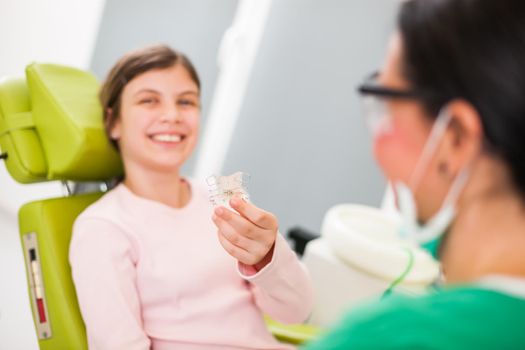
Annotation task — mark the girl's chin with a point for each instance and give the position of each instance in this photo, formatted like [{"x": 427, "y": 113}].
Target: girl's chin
[{"x": 163, "y": 164}]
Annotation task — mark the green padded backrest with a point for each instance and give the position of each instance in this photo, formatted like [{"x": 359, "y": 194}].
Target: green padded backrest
[
  {"x": 51, "y": 222},
  {"x": 51, "y": 127},
  {"x": 18, "y": 137},
  {"x": 68, "y": 117}
]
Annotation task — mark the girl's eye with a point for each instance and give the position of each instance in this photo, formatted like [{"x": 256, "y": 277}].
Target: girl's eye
[
  {"x": 148, "y": 101},
  {"x": 187, "y": 103}
]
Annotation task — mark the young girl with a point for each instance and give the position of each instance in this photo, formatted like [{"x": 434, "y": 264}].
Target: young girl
[{"x": 154, "y": 265}]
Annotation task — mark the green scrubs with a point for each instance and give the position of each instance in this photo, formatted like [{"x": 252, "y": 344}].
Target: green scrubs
[{"x": 468, "y": 317}]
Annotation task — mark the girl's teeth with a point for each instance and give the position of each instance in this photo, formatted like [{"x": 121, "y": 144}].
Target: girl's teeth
[{"x": 167, "y": 138}]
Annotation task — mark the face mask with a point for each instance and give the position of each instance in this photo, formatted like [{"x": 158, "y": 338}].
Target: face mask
[{"x": 428, "y": 235}]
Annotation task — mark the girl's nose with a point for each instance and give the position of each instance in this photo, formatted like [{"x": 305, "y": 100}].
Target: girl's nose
[{"x": 171, "y": 115}]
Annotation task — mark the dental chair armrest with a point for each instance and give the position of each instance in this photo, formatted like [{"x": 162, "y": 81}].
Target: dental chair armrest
[
  {"x": 296, "y": 334},
  {"x": 300, "y": 238}
]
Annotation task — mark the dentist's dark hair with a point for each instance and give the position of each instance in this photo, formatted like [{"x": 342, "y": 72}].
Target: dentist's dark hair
[
  {"x": 130, "y": 66},
  {"x": 472, "y": 50}
]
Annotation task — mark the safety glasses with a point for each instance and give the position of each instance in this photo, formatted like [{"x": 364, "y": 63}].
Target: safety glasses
[{"x": 374, "y": 98}]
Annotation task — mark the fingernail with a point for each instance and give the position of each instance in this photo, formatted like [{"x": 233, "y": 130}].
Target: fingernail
[{"x": 219, "y": 211}]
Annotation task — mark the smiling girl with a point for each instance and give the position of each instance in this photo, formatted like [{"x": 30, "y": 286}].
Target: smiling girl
[{"x": 155, "y": 267}]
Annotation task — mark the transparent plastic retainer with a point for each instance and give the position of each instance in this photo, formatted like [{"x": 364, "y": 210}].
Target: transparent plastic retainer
[{"x": 223, "y": 188}]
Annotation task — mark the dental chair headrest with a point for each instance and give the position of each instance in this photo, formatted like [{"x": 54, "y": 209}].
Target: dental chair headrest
[
  {"x": 366, "y": 238},
  {"x": 51, "y": 127}
]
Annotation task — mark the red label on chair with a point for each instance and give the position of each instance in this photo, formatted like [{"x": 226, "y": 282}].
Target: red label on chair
[{"x": 41, "y": 310}]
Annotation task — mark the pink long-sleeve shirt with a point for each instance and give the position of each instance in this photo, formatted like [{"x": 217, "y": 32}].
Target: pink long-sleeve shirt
[{"x": 149, "y": 276}]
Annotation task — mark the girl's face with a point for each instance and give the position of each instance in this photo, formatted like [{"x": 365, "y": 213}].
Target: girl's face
[
  {"x": 398, "y": 147},
  {"x": 159, "y": 121}
]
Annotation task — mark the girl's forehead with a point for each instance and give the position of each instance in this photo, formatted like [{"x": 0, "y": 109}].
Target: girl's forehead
[{"x": 173, "y": 78}]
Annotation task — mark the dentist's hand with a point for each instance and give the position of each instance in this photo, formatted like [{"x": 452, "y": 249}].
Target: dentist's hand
[{"x": 249, "y": 235}]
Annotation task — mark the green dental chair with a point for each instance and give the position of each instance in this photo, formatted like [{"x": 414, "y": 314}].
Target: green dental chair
[{"x": 51, "y": 129}]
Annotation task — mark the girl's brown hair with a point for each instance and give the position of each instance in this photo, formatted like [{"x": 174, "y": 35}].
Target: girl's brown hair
[{"x": 130, "y": 66}]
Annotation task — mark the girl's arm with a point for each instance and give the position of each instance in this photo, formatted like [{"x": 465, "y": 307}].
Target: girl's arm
[
  {"x": 280, "y": 283},
  {"x": 282, "y": 289},
  {"x": 103, "y": 260}
]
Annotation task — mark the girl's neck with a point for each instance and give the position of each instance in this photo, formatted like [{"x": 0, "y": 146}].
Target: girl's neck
[{"x": 164, "y": 187}]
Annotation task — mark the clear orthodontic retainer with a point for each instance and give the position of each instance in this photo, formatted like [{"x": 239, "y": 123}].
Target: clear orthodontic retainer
[{"x": 223, "y": 188}]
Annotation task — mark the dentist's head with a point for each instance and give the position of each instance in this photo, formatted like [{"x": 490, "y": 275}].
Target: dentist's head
[{"x": 447, "y": 110}]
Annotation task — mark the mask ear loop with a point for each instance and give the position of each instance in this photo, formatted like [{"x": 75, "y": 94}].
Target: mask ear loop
[
  {"x": 402, "y": 190},
  {"x": 440, "y": 126},
  {"x": 403, "y": 274},
  {"x": 439, "y": 223}
]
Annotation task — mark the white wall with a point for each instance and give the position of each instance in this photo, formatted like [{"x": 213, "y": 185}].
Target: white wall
[
  {"x": 194, "y": 27},
  {"x": 235, "y": 59},
  {"x": 57, "y": 31},
  {"x": 301, "y": 133}
]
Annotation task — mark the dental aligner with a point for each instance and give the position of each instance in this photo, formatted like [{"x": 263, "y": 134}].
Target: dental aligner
[{"x": 223, "y": 188}]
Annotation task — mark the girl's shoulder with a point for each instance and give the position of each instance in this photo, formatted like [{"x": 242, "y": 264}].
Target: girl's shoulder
[
  {"x": 110, "y": 209},
  {"x": 109, "y": 202}
]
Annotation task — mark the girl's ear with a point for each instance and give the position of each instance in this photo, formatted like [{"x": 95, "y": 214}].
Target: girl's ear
[{"x": 114, "y": 132}]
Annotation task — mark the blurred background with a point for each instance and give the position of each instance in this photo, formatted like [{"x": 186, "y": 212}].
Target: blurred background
[{"x": 279, "y": 100}]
